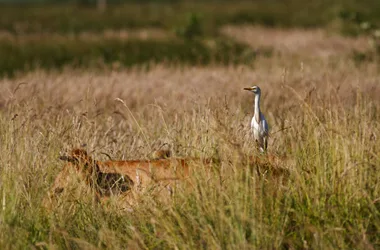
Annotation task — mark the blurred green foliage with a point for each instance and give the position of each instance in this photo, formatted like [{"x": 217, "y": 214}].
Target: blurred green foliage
[
  {"x": 100, "y": 53},
  {"x": 193, "y": 23},
  {"x": 192, "y": 29},
  {"x": 373, "y": 53},
  {"x": 76, "y": 17}
]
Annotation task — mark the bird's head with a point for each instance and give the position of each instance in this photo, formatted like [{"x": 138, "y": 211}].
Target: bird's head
[{"x": 255, "y": 89}]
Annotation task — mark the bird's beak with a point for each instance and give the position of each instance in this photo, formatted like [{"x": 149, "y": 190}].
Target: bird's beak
[{"x": 250, "y": 88}]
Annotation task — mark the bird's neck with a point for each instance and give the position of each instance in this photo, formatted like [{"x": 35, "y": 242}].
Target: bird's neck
[{"x": 257, "y": 108}]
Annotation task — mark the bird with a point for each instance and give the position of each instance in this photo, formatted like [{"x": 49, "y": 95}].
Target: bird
[{"x": 259, "y": 125}]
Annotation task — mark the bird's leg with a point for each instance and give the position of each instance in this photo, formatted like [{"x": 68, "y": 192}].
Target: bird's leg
[
  {"x": 265, "y": 143},
  {"x": 259, "y": 146}
]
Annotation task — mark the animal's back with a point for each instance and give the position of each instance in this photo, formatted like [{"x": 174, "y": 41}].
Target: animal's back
[{"x": 162, "y": 168}]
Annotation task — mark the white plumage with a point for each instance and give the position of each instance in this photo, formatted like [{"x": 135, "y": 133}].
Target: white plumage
[{"x": 259, "y": 125}]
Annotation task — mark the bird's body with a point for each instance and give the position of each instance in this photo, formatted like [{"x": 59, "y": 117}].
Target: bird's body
[
  {"x": 260, "y": 132},
  {"x": 259, "y": 125}
]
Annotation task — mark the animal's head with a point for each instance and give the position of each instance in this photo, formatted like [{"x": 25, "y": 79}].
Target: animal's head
[
  {"x": 68, "y": 183},
  {"x": 255, "y": 89},
  {"x": 81, "y": 176},
  {"x": 72, "y": 177}
]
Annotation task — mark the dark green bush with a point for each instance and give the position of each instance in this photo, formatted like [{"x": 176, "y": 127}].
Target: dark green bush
[
  {"x": 74, "y": 17},
  {"x": 192, "y": 29},
  {"x": 50, "y": 55}
]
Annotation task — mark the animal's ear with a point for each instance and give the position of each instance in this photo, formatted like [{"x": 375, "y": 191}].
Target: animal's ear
[
  {"x": 76, "y": 156},
  {"x": 80, "y": 155}
]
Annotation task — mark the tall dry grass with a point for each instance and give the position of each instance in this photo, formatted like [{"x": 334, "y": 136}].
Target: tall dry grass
[{"x": 323, "y": 115}]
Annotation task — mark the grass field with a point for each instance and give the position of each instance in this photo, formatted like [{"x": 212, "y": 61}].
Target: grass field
[{"x": 321, "y": 104}]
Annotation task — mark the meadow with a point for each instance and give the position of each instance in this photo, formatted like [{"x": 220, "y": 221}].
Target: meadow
[{"x": 321, "y": 104}]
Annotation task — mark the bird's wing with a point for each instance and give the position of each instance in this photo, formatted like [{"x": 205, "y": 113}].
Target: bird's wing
[{"x": 264, "y": 125}]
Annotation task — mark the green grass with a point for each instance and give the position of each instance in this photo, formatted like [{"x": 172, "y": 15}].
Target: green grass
[
  {"x": 71, "y": 18},
  {"x": 194, "y": 23},
  {"x": 56, "y": 54}
]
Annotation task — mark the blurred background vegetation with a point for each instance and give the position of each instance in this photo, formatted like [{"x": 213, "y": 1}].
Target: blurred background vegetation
[{"x": 84, "y": 33}]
